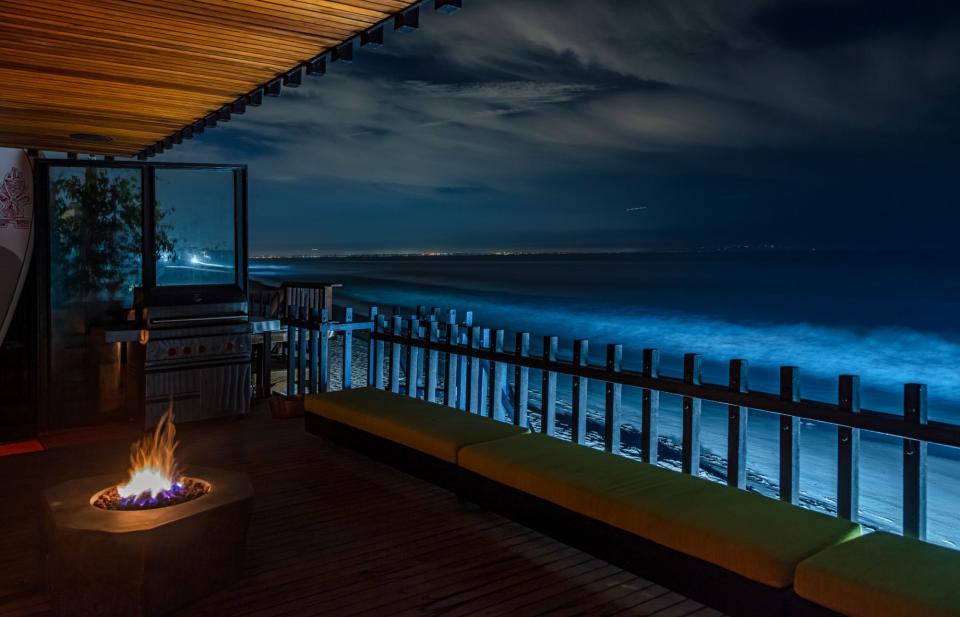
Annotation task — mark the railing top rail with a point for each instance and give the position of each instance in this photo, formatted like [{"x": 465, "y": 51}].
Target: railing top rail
[
  {"x": 941, "y": 433},
  {"x": 308, "y": 285}
]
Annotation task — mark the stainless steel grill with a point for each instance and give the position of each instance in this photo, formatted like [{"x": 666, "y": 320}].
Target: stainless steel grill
[{"x": 196, "y": 358}]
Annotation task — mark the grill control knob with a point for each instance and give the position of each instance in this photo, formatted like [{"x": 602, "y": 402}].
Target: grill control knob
[
  {"x": 202, "y": 349},
  {"x": 229, "y": 346},
  {"x": 172, "y": 351},
  {"x": 187, "y": 350}
]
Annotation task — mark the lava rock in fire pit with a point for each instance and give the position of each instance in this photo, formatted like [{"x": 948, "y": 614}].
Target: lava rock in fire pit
[
  {"x": 187, "y": 489},
  {"x": 144, "y": 562}
]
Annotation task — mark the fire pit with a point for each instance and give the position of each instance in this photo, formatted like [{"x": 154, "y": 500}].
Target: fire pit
[{"x": 150, "y": 545}]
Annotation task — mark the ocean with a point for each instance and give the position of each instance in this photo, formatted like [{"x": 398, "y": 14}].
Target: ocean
[{"x": 890, "y": 318}]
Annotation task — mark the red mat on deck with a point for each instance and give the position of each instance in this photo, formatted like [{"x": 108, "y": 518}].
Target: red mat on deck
[{"x": 21, "y": 447}]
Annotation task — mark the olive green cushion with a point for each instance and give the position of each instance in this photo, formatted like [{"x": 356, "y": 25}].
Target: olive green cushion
[
  {"x": 430, "y": 428},
  {"x": 883, "y": 575},
  {"x": 759, "y": 538}
]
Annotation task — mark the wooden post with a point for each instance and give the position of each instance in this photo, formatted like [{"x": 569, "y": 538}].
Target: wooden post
[
  {"x": 521, "y": 381},
  {"x": 397, "y": 330},
  {"x": 413, "y": 357},
  {"x": 430, "y": 365},
  {"x": 548, "y": 403},
  {"x": 291, "y": 346},
  {"x": 848, "y": 451},
  {"x": 451, "y": 371},
  {"x": 464, "y": 368},
  {"x": 372, "y": 349},
  {"x": 473, "y": 372},
  {"x": 692, "y": 363},
  {"x": 302, "y": 354},
  {"x": 498, "y": 381},
  {"x": 915, "y": 464},
  {"x": 324, "y": 350},
  {"x": 348, "y": 351},
  {"x": 483, "y": 385},
  {"x": 266, "y": 374},
  {"x": 737, "y": 427},
  {"x": 314, "y": 352},
  {"x": 650, "y": 410},
  {"x": 580, "y": 388},
  {"x": 612, "y": 407},
  {"x": 789, "y": 437},
  {"x": 380, "y": 325}
]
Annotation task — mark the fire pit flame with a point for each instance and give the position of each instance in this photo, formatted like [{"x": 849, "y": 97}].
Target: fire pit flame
[
  {"x": 153, "y": 465},
  {"x": 155, "y": 481}
]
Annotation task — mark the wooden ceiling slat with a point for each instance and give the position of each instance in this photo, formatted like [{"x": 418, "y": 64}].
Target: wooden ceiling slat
[
  {"x": 39, "y": 61},
  {"x": 55, "y": 117},
  {"x": 189, "y": 22},
  {"x": 159, "y": 31},
  {"x": 115, "y": 76},
  {"x": 223, "y": 12},
  {"x": 197, "y": 65},
  {"x": 137, "y": 72},
  {"x": 291, "y": 11},
  {"x": 122, "y": 42}
]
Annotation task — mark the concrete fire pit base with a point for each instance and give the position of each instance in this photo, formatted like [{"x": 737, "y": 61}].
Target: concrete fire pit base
[{"x": 146, "y": 562}]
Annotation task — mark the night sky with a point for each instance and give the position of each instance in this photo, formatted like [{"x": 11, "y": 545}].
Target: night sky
[{"x": 612, "y": 125}]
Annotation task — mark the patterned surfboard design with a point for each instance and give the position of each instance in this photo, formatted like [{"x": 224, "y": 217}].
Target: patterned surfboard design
[{"x": 16, "y": 229}]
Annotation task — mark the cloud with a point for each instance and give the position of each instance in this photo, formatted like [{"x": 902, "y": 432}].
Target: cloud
[{"x": 507, "y": 93}]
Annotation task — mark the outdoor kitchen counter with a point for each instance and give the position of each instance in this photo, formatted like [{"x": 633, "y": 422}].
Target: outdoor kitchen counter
[{"x": 130, "y": 334}]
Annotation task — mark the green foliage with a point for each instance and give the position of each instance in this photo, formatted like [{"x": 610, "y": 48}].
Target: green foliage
[{"x": 96, "y": 223}]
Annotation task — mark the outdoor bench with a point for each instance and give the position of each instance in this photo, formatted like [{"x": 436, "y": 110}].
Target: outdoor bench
[
  {"x": 731, "y": 549},
  {"x": 734, "y": 550},
  {"x": 880, "y": 575},
  {"x": 418, "y": 437}
]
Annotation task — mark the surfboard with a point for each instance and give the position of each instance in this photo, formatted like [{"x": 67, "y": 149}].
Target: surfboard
[{"x": 16, "y": 229}]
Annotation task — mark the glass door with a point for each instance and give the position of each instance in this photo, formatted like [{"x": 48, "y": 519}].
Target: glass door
[{"x": 95, "y": 260}]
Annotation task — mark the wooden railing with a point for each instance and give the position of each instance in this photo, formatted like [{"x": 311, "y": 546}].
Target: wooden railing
[{"x": 417, "y": 355}]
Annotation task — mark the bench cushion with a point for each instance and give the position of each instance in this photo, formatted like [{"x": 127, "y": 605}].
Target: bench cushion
[
  {"x": 759, "y": 538},
  {"x": 428, "y": 427},
  {"x": 883, "y": 575}
]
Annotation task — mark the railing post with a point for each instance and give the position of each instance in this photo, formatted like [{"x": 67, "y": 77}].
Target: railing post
[
  {"x": 380, "y": 325},
  {"x": 915, "y": 464},
  {"x": 396, "y": 330},
  {"x": 302, "y": 353},
  {"x": 521, "y": 381},
  {"x": 463, "y": 389},
  {"x": 789, "y": 437},
  {"x": 372, "y": 349},
  {"x": 451, "y": 371},
  {"x": 612, "y": 400},
  {"x": 848, "y": 451},
  {"x": 548, "y": 402},
  {"x": 324, "y": 350},
  {"x": 413, "y": 360},
  {"x": 314, "y": 352},
  {"x": 483, "y": 386},
  {"x": 430, "y": 366},
  {"x": 498, "y": 380},
  {"x": 291, "y": 346},
  {"x": 473, "y": 372},
  {"x": 348, "y": 351},
  {"x": 650, "y": 410},
  {"x": 580, "y": 388},
  {"x": 266, "y": 372},
  {"x": 737, "y": 427},
  {"x": 690, "y": 453}
]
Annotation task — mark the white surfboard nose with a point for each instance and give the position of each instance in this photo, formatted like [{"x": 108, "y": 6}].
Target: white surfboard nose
[{"x": 16, "y": 229}]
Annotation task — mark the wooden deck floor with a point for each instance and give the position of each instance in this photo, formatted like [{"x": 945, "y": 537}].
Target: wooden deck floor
[{"x": 334, "y": 533}]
